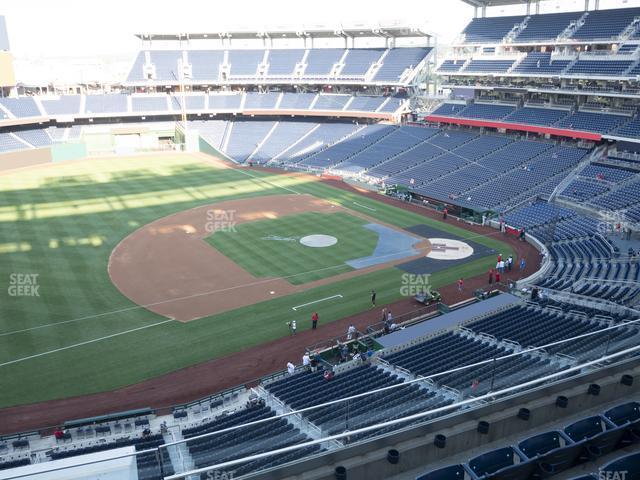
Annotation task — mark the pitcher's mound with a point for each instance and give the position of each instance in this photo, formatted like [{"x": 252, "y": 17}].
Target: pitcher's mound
[{"x": 318, "y": 241}]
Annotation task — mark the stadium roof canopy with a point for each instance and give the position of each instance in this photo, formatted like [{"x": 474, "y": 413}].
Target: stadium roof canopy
[
  {"x": 304, "y": 32},
  {"x": 504, "y": 3},
  {"x": 496, "y": 3}
]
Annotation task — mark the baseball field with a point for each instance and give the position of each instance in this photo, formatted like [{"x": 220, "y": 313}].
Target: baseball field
[{"x": 117, "y": 270}]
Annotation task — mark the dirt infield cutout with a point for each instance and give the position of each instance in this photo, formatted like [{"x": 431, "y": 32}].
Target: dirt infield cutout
[{"x": 167, "y": 266}]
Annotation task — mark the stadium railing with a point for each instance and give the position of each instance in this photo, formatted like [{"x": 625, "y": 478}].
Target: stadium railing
[{"x": 163, "y": 458}]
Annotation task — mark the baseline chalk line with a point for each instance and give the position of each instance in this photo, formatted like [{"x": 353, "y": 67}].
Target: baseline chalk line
[
  {"x": 364, "y": 206},
  {"x": 295, "y": 309}
]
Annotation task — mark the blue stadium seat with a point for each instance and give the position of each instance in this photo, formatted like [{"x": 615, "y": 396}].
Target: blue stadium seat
[
  {"x": 452, "y": 472},
  {"x": 630, "y": 464}
]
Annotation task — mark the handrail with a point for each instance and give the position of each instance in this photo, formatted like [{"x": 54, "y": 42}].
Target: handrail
[
  {"x": 489, "y": 396},
  {"x": 408, "y": 382}
]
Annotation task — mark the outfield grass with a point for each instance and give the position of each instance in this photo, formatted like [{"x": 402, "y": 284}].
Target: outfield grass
[
  {"x": 62, "y": 224},
  {"x": 252, "y": 245}
]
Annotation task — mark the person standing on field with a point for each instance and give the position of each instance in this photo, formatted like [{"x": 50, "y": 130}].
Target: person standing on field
[
  {"x": 314, "y": 320},
  {"x": 373, "y": 297}
]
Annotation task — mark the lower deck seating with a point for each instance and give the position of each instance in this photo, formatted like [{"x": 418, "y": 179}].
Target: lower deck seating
[
  {"x": 244, "y": 441},
  {"x": 307, "y": 389}
]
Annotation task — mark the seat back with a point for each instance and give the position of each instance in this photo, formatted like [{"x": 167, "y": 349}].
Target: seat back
[
  {"x": 629, "y": 464},
  {"x": 605, "y": 442},
  {"x": 518, "y": 471},
  {"x": 585, "y": 428},
  {"x": 627, "y": 412},
  {"x": 540, "y": 444},
  {"x": 492, "y": 461},
  {"x": 452, "y": 472},
  {"x": 561, "y": 459}
]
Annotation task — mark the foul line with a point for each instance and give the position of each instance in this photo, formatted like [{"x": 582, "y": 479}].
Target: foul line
[
  {"x": 364, "y": 206},
  {"x": 310, "y": 303},
  {"x": 18, "y": 360},
  {"x": 222, "y": 290},
  {"x": 244, "y": 172}
]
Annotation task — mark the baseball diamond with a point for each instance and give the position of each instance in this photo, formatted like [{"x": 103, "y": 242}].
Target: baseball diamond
[{"x": 385, "y": 250}]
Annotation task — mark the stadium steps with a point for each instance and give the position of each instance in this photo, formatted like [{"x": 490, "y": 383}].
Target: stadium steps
[
  {"x": 297, "y": 421},
  {"x": 329, "y": 145},
  {"x": 427, "y": 385},
  {"x": 516, "y": 63},
  {"x": 375, "y": 67},
  {"x": 529, "y": 195},
  {"x": 21, "y": 140},
  {"x": 391, "y": 159},
  {"x": 279, "y": 100},
  {"x": 293, "y": 145},
  {"x": 179, "y": 455},
  {"x": 363, "y": 150},
  {"x": 474, "y": 162},
  {"x": 572, "y": 28},
  {"x": 36, "y": 100},
  {"x": 504, "y": 174},
  {"x": 349, "y": 102},
  {"x": 226, "y": 137},
  {"x": 573, "y": 175},
  {"x": 387, "y": 100},
  {"x": 262, "y": 142},
  {"x": 618, "y": 186},
  {"x": 313, "y": 102}
]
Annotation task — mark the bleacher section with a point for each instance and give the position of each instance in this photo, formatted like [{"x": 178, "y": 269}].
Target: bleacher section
[
  {"x": 79, "y": 106},
  {"x": 280, "y": 65},
  {"x": 21, "y": 107},
  {"x": 487, "y": 172},
  {"x": 503, "y": 39},
  {"x": 308, "y": 389},
  {"x": 490, "y": 66},
  {"x": 606, "y": 24},
  {"x": 245, "y": 441},
  {"x": 597, "y": 25},
  {"x": 490, "y": 30},
  {"x": 541, "y": 63},
  {"x": 546, "y": 27},
  {"x": 584, "y": 121},
  {"x": 583, "y": 260}
]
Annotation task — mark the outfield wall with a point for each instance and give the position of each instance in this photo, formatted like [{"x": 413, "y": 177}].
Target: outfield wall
[
  {"x": 42, "y": 156},
  {"x": 25, "y": 158}
]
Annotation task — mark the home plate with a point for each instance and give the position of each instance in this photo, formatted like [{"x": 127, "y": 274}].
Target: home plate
[
  {"x": 448, "y": 249},
  {"x": 318, "y": 241}
]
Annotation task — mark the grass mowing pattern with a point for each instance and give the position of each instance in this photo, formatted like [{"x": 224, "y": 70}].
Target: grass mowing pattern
[
  {"x": 250, "y": 247},
  {"x": 62, "y": 223}
]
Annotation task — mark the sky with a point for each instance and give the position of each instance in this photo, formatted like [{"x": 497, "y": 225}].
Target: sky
[{"x": 80, "y": 38}]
